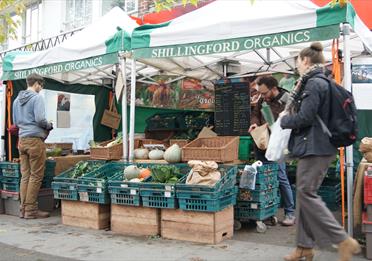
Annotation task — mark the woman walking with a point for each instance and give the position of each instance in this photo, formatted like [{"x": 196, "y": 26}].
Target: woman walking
[{"x": 316, "y": 224}]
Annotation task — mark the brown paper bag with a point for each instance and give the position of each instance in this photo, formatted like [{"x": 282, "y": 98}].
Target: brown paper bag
[
  {"x": 261, "y": 136},
  {"x": 111, "y": 118}
]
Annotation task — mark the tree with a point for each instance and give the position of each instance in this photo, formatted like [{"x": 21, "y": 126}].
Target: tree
[
  {"x": 8, "y": 26},
  {"x": 168, "y": 4}
]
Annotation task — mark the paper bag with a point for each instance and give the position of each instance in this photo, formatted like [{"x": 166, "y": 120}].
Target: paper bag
[
  {"x": 261, "y": 136},
  {"x": 206, "y": 132}
]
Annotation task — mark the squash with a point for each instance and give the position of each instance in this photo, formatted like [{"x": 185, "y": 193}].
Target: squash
[
  {"x": 156, "y": 154},
  {"x": 141, "y": 153},
  {"x": 144, "y": 174},
  {"x": 173, "y": 154},
  {"x": 131, "y": 172}
]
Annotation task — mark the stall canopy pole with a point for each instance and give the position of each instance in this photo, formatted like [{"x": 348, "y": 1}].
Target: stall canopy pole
[
  {"x": 349, "y": 150},
  {"x": 132, "y": 109},
  {"x": 124, "y": 108},
  {"x": 2, "y": 122}
]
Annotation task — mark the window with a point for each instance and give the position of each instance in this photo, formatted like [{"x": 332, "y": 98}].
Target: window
[
  {"x": 30, "y": 27},
  {"x": 32, "y": 23},
  {"x": 130, "y": 6},
  {"x": 78, "y": 13}
]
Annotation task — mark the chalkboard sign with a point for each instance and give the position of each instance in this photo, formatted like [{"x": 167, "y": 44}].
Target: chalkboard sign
[{"x": 232, "y": 109}]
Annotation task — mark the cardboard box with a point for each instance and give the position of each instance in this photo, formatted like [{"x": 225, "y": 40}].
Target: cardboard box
[
  {"x": 85, "y": 214},
  {"x": 135, "y": 221},
  {"x": 200, "y": 227}
]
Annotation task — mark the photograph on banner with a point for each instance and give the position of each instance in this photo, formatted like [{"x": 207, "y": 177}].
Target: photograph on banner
[
  {"x": 170, "y": 93},
  {"x": 72, "y": 116},
  {"x": 362, "y": 73},
  {"x": 362, "y": 82}
]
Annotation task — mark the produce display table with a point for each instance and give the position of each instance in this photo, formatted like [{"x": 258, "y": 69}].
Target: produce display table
[{"x": 66, "y": 162}]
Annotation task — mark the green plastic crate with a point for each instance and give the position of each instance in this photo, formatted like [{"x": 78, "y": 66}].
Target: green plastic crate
[
  {"x": 122, "y": 192},
  {"x": 195, "y": 203},
  {"x": 257, "y": 195},
  {"x": 65, "y": 191},
  {"x": 245, "y": 213},
  {"x": 13, "y": 170},
  {"x": 159, "y": 201},
  {"x": 264, "y": 174},
  {"x": 65, "y": 187},
  {"x": 227, "y": 181},
  {"x": 259, "y": 205},
  {"x": 10, "y": 184},
  {"x": 245, "y": 145},
  {"x": 93, "y": 195}
]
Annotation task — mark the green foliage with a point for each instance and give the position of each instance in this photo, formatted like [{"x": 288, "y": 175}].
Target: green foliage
[{"x": 8, "y": 27}]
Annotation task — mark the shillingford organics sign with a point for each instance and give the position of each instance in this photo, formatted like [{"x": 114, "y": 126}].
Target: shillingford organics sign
[{"x": 240, "y": 44}]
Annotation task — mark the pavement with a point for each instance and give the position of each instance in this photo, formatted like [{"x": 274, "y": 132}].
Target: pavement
[{"x": 48, "y": 239}]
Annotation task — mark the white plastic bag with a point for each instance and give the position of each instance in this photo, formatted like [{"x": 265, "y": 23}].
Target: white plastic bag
[
  {"x": 278, "y": 142},
  {"x": 248, "y": 178}
]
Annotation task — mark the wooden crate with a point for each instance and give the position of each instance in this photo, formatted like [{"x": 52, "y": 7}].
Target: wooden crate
[
  {"x": 135, "y": 221},
  {"x": 200, "y": 227},
  {"x": 115, "y": 152},
  {"x": 219, "y": 149},
  {"x": 85, "y": 214}
]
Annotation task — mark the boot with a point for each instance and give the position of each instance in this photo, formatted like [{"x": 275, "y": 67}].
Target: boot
[
  {"x": 300, "y": 253},
  {"x": 34, "y": 214},
  {"x": 347, "y": 248},
  {"x": 21, "y": 212}
]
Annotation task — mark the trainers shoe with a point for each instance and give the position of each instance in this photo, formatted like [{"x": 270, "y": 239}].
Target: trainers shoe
[
  {"x": 36, "y": 214},
  {"x": 288, "y": 221}
]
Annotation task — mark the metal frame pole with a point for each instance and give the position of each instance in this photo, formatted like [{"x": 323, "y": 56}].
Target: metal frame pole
[
  {"x": 132, "y": 110},
  {"x": 349, "y": 149},
  {"x": 2, "y": 122},
  {"x": 124, "y": 108}
]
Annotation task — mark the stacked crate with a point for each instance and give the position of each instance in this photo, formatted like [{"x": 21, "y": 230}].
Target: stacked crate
[
  {"x": 367, "y": 216},
  {"x": 261, "y": 203},
  {"x": 10, "y": 188},
  {"x": 11, "y": 175}
]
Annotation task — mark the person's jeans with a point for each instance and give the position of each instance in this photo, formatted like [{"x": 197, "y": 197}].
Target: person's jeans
[{"x": 286, "y": 191}]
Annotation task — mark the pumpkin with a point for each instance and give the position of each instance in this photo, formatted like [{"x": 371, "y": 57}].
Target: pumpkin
[
  {"x": 144, "y": 173},
  {"x": 173, "y": 154},
  {"x": 131, "y": 172},
  {"x": 156, "y": 154},
  {"x": 141, "y": 153}
]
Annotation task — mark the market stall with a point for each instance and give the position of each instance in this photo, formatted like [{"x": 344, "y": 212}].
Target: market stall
[{"x": 194, "y": 45}]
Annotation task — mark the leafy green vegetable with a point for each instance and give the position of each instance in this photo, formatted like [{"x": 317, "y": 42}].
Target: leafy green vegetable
[
  {"x": 165, "y": 174},
  {"x": 84, "y": 167}
]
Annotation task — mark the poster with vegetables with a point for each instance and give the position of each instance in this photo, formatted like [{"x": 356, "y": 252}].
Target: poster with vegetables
[{"x": 170, "y": 93}]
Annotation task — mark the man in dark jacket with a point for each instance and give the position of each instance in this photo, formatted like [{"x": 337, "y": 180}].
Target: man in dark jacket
[
  {"x": 277, "y": 99},
  {"x": 29, "y": 117}
]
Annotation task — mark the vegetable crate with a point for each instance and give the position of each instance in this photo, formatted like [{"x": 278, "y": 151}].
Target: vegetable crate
[
  {"x": 368, "y": 189},
  {"x": 13, "y": 170},
  {"x": 122, "y": 192},
  {"x": 267, "y": 170},
  {"x": 65, "y": 185},
  {"x": 195, "y": 202},
  {"x": 93, "y": 187},
  {"x": 10, "y": 184},
  {"x": 244, "y": 212},
  {"x": 257, "y": 195},
  {"x": 161, "y": 195},
  {"x": 219, "y": 149},
  {"x": 115, "y": 152},
  {"x": 209, "y": 198}
]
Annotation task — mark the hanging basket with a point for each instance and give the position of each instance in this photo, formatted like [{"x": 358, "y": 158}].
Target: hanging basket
[{"x": 111, "y": 118}]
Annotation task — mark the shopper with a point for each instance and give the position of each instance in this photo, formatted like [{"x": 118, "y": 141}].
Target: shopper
[
  {"x": 309, "y": 143},
  {"x": 277, "y": 99},
  {"x": 29, "y": 117}
]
